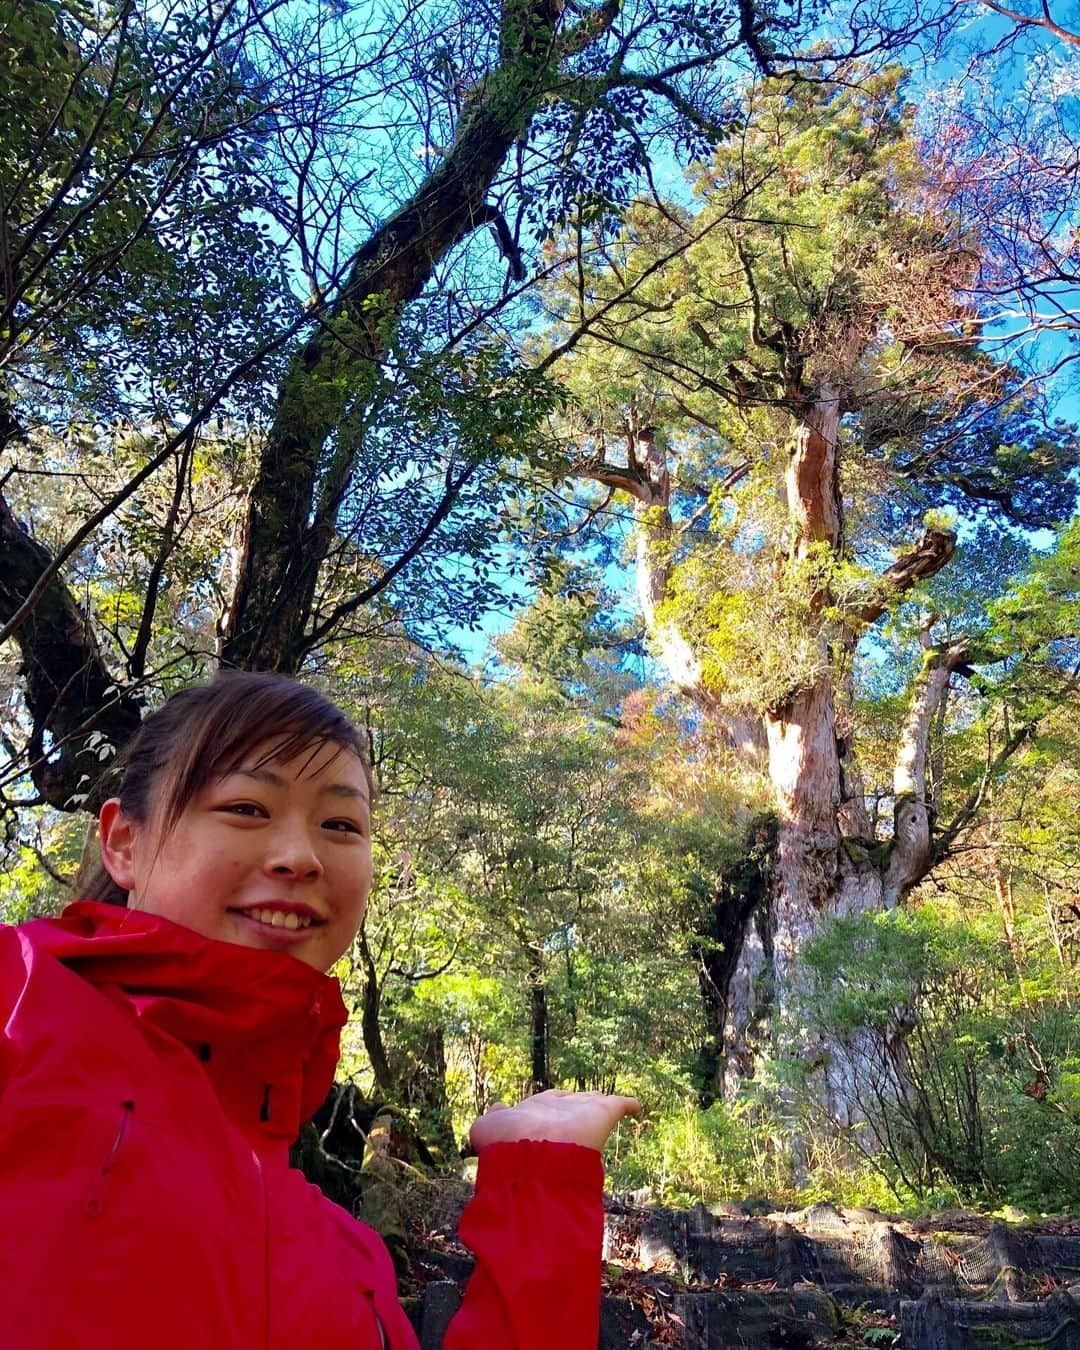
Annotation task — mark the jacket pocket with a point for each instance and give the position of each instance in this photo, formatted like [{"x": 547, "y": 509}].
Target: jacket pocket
[{"x": 93, "y": 1200}]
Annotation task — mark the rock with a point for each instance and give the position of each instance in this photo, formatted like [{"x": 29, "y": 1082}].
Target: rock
[
  {"x": 857, "y": 1214},
  {"x": 824, "y": 1218},
  {"x": 730, "y": 1209},
  {"x": 442, "y": 1299},
  {"x": 662, "y": 1244},
  {"x": 621, "y": 1324},
  {"x": 724, "y": 1280}
]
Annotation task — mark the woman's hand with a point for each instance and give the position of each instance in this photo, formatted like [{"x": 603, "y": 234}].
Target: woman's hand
[{"x": 585, "y": 1118}]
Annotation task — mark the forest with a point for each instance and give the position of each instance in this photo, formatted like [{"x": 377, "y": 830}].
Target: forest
[{"x": 657, "y": 424}]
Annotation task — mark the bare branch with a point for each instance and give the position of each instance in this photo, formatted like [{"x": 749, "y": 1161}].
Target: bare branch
[{"x": 1043, "y": 20}]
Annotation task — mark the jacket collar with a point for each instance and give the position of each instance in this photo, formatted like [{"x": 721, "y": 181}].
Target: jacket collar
[{"x": 265, "y": 1025}]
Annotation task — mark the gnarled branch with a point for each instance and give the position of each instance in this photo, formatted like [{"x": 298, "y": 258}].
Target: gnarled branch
[{"x": 924, "y": 560}]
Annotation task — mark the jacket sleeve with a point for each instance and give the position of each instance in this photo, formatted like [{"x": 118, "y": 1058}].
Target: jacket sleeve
[{"x": 535, "y": 1226}]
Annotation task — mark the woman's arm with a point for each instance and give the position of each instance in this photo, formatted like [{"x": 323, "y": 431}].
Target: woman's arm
[{"x": 536, "y": 1223}]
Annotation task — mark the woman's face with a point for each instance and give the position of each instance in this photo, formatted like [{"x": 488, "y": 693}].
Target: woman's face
[{"x": 276, "y": 856}]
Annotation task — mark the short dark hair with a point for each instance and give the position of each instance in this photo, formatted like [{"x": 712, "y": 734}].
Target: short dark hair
[{"x": 203, "y": 733}]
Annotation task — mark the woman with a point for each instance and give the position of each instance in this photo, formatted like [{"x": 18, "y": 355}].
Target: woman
[{"x": 162, "y": 1042}]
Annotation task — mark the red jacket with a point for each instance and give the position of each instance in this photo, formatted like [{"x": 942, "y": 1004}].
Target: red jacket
[{"x": 151, "y": 1081}]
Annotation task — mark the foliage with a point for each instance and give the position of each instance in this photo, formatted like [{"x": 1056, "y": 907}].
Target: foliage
[
  {"x": 137, "y": 270},
  {"x": 764, "y": 640},
  {"x": 814, "y": 259},
  {"x": 966, "y": 1058},
  {"x": 37, "y": 868},
  {"x": 686, "y": 1156}
]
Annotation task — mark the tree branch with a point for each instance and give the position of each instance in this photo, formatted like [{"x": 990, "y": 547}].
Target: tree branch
[
  {"x": 910, "y": 854},
  {"x": 924, "y": 560},
  {"x": 597, "y": 470},
  {"x": 452, "y": 491},
  {"x": 1031, "y": 21},
  {"x": 64, "y": 672},
  {"x": 137, "y": 661}
]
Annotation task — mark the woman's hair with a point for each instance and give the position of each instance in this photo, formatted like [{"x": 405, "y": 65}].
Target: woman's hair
[{"x": 203, "y": 733}]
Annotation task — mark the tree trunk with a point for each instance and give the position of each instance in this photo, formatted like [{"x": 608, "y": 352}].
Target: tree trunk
[
  {"x": 812, "y": 481},
  {"x": 292, "y": 516},
  {"x": 370, "y": 1024},
  {"x": 821, "y": 859},
  {"x": 824, "y": 865},
  {"x": 540, "y": 1069},
  {"x": 79, "y": 718}
]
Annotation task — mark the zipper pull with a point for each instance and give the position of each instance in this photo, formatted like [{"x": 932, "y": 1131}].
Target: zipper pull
[{"x": 94, "y": 1196}]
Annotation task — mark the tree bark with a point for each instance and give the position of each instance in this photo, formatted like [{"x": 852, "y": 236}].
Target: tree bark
[
  {"x": 812, "y": 485},
  {"x": 370, "y": 1023},
  {"x": 911, "y": 854},
  {"x": 540, "y": 1067},
  {"x": 79, "y": 717}
]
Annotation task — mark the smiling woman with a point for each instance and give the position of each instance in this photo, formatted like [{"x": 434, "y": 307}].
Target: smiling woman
[
  {"x": 162, "y": 1042},
  {"x": 278, "y": 858}
]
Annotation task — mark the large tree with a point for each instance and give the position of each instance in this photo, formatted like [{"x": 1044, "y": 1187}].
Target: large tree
[{"x": 783, "y": 405}]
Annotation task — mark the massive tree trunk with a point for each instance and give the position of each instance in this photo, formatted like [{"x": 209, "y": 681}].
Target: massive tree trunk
[
  {"x": 823, "y": 863},
  {"x": 818, "y": 858}
]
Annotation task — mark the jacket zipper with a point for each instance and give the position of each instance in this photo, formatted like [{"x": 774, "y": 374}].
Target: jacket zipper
[
  {"x": 94, "y": 1196},
  {"x": 266, "y": 1247}
]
